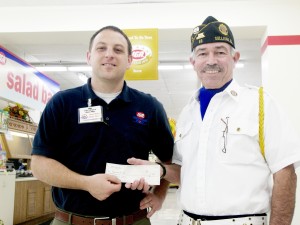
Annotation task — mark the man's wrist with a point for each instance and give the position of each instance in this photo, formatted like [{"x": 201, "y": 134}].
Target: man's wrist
[{"x": 164, "y": 171}]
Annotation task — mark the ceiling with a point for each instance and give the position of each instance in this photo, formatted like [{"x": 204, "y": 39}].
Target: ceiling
[
  {"x": 173, "y": 88},
  {"x": 34, "y": 3}
]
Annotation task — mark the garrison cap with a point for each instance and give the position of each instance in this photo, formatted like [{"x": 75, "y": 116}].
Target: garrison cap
[{"x": 211, "y": 30}]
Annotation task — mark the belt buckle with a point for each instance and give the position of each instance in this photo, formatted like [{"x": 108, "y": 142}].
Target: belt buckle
[{"x": 113, "y": 221}]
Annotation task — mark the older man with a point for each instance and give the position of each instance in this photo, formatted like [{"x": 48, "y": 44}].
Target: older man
[{"x": 228, "y": 172}]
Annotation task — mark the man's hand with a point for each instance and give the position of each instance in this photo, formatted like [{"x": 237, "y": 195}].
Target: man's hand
[
  {"x": 156, "y": 197},
  {"x": 153, "y": 202},
  {"x": 135, "y": 161},
  {"x": 101, "y": 186},
  {"x": 139, "y": 185}
]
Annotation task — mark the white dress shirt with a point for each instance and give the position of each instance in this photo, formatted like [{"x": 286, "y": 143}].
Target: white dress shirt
[{"x": 223, "y": 171}]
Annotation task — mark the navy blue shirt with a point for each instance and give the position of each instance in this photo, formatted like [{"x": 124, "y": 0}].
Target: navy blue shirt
[
  {"x": 135, "y": 124},
  {"x": 205, "y": 95}
]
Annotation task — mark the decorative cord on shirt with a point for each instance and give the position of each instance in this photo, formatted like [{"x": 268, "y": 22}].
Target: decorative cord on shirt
[
  {"x": 261, "y": 122},
  {"x": 225, "y": 132}
]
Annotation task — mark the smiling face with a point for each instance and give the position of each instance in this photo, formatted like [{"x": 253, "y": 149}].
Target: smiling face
[
  {"x": 109, "y": 58},
  {"x": 214, "y": 64}
]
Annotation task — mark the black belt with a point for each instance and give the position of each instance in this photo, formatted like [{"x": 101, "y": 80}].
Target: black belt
[{"x": 201, "y": 217}]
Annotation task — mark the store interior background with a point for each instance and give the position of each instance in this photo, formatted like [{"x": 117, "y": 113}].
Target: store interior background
[
  {"x": 57, "y": 32},
  {"x": 173, "y": 88}
]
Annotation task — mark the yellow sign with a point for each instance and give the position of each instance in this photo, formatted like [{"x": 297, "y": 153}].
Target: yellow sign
[{"x": 144, "y": 53}]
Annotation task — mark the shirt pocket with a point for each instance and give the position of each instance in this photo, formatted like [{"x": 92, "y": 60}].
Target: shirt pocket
[
  {"x": 182, "y": 131},
  {"x": 239, "y": 143},
  {"x": 183, "y": 139}
]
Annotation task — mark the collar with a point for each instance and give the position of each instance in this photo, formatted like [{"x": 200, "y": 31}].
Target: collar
[
  {"x": 125, "y": 94},
  {"x": 88, "y": 93},
  {"x": 233, "y": 90}
]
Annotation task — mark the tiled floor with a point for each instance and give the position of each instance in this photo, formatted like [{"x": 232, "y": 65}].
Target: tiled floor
[{"x": 169, "y": 213}]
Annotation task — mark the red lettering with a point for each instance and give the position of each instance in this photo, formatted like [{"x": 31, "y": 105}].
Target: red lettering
[
  {"x": 45, "y": 95},
  {"x": 10, "y": 78},
  {"x": 29, "y": 90},
  {"x": 35, "y": 92},
  {"x": 2, "y": 58},
  {"x": 18, "y": 84},
  {"x": 23, "y": 82},
  {"x": 32, "y": 91},
  {"x": 138, "y": 54}
]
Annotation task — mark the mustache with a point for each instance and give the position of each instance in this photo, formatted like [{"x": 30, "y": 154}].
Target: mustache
[{"x": 212, "y": 68}]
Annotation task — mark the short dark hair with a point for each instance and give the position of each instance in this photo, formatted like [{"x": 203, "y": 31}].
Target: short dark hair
[{"x": 113, "y": 28}]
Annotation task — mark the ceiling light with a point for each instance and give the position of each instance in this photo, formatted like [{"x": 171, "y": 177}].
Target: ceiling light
[
  {"x": 82, "y": 77},
  {"x": 51, "y": 68},
  {"x": 188, "y": 66},
  {"x": 239, "y": 65},
  {"x": 170, "y": 67},
  {"x": 29, "y": 69},
  {"x": 80, "y": 68}
]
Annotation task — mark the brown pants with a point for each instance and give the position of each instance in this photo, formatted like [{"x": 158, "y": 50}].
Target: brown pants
[{"x": 144, "y": 221}]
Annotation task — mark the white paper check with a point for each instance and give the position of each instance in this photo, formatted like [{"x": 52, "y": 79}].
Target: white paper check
[{"x": 130, "y": 173}]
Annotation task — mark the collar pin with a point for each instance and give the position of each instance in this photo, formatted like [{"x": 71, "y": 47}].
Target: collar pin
[{"x": 234, "y": 93}]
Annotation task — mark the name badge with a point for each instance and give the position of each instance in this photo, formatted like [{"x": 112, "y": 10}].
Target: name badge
[{"x": 90, "y": 114}]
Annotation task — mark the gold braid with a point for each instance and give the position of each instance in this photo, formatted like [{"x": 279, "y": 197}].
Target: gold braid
[{"x": 261, "y": 122}]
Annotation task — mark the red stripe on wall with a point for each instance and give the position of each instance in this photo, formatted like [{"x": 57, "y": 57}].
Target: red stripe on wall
[{"x": 280, "y": 40}]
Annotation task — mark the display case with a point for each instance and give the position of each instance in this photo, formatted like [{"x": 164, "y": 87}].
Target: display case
[
  {"x": 17, "y": 145},
  {"x": 17, "y": 139}
]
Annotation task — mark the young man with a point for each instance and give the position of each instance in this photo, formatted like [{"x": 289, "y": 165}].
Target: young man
[
  {"x": 224, "y": 175},
  {"x": 103, "y": 121}
]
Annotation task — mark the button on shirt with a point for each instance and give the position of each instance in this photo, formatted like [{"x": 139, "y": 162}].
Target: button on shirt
[{"x": 223, "y": 171}]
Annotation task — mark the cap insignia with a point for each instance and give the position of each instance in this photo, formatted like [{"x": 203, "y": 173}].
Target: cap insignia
[
  {"x": 201, "y": 35},
  {"x": 234, "y": 93},
  {"x": 223, "y": 29},
  {"x": 196, "y": 30}
]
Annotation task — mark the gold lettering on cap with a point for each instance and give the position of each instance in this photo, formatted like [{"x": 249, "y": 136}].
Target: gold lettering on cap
[
  {"x": 223, "y": 29},
  {"x": 200, "y": 41},
  {"x": 219, "y": 38}
]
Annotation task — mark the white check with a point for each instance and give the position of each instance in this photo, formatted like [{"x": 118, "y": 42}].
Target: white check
[{"x": 130, "y": 173}]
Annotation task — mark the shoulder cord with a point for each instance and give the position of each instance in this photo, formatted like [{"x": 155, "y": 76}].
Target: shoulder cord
[{"x": 261, "y": 122}]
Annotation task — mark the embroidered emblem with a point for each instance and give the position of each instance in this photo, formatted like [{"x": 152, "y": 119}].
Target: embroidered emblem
[
  {"x": 200, "y": 36},
  {"x": 223, "y": 29},
  {"x": 140, "y": 115},
  {"x": 140, "y": 118}
]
